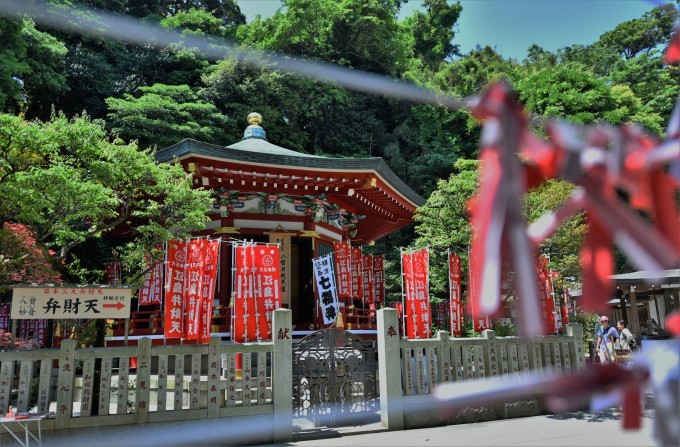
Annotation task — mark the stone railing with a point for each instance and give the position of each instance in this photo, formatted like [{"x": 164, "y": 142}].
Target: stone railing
[
  {"x": 409, "y": 368},
  {"x": 145, "y": 383}
]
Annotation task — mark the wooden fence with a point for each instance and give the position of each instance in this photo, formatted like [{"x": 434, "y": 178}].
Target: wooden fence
[
  {"x": 145, "y": 383},
  {"x": 411, "y": 367}
]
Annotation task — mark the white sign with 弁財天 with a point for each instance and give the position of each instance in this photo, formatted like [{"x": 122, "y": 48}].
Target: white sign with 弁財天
[{"x": 70, "y": 302}]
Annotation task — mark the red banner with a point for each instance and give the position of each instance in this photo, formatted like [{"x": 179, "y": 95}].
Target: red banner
[
  {"x": 379, "y": 279},
  {"x": 342, "y": 269},
  {"x": 257, "y": 292},
  {"x": 4, "y": 317},
  {"x": 174, "y": 289},
  {"x": 151, "y": 291},
  {"x": 267, "y": 287},
  {"x": 417, "y": 296},
  {"x": 33, "y": 332},
  {"x": 480, "y": 321},
  {"x": 545, "y": 294},
  {"x": 211, "y": 250},
  {"x": 112, "y": 272},
  {"x": 244, "y": 295},
  {"x": 192, "y": 288},
  {"x": 367, "y": 281},
  {"x": 456, "y": 305},
  {"x": 356, "y": 265}
]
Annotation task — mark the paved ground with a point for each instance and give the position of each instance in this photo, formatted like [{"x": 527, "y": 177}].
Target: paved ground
[
  {"x": 578, "y": 429},
  {"x": 569, "y": 429}
]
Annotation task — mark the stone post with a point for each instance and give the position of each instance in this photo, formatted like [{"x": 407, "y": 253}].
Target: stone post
[
  {"x": 67, "y": 369},
  {"x": 389, "y": 367},
  {"x": 143, "y": 393},
  {"x": 282, "y": 375},
  {"x": 576, "y": 352}
]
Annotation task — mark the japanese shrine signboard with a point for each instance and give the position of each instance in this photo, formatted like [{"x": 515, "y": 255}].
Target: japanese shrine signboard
[{"x": 66, "y": 303}]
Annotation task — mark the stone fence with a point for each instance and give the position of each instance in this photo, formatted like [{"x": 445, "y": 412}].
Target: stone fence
[
  {"x": 410, "y": 369},
  {"x": 145, "y": 383}
]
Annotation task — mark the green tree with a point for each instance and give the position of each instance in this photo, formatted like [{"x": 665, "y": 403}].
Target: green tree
[
  {"x": 165, "y": 114},
  {"x": 433, "y": 31},
  {"x": 69, "y": 182},
  {"x": 364, "y": 34},
  {"x": 45, "y": 81},
  {"x": 194, "y": 22},
  {"x": 472, "y": 73},
  {"x": 443, "y": 222},
  {"x": 635, "y": 36},
  {"x": 13, "y": 66}
]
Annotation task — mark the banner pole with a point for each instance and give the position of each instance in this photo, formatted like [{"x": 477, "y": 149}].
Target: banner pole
[{"x": 403, "y": 296}]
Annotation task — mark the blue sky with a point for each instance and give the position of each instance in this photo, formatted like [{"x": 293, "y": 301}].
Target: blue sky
[{"x": 511, "y": 26}]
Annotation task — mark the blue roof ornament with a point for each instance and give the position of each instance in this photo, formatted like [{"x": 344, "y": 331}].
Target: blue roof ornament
[{"x": 254, "y": 130}]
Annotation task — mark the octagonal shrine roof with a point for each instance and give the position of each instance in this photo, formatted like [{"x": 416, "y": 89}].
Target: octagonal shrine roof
[{"x": 363, "y": 185}]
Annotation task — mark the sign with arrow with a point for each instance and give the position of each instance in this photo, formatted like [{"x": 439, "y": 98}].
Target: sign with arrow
[{"x": 70, "y": 302}]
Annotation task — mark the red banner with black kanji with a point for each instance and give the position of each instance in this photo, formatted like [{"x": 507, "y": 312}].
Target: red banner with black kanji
[
  {"x": 367, "y": 280},
  {"x": 267, "y": 260},
  {"x": 257, "y": 291},
  {"x": 455, "y": 303},
  {"x": 151, "y": 291},
  {"x": 243, "y": 307},
  {"x": 211, "y": 251},
  {"x": 379, "y": 279},
  {"x": 343, "y": 274},
  {"x": 174, "y": 289},
  {"x": 193, "y": 299},
  {"x": 112, "y": 272},
  {"x": 418, "y": 314},
  {"x": 356, "y": 267},
  {"x": 545, "y": 295}
]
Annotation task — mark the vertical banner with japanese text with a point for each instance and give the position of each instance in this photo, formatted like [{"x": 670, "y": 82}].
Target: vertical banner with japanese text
[
  {"x": 4, "y": 317},
  {"x": 456, "y": 305},
  {"x": 257, "y": 291},
  {"x": 356, "y": 266},
  {"x": 379, "y": 279},
  {"x": 267, "y": 271},
  {"x": 211, "y": 252},
  {"x": 418, "y": 313},
  {"x": 342, "y": 269},
  {"x": 193, "y": 277},
  {"x": 282, "y": 239},
  {"x": 112, "y": 272},
  {"x": 408, "y": 299},
  {"x": 545, "y": 294},
  {"x": 480, "y": 321},
  {"x": 174, "y": 289},
  {"x": 367, "y": 281},
  {"x": 325, "y": 285},
  {"x": 243, "y": 303},
  {"x": 151, "y": 291}
]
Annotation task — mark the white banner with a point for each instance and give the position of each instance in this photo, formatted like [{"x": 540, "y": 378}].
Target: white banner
[
  {"x": 325, "y": 286},
  {"x": 57, "y": 303}
]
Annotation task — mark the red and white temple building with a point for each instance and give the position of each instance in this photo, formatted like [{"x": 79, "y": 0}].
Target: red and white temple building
[{"x": 269, "y": 194}]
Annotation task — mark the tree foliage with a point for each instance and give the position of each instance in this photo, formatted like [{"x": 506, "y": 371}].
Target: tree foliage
[
  {"x": 166, "y": 114},
  {"x": 67, "y": 181}
]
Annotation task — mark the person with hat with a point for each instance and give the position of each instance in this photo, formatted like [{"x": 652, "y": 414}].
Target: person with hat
[{"x": 606, "y": 336}]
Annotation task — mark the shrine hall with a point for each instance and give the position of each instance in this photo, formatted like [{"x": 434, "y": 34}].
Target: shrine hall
[{"x": 269, "y": 194}]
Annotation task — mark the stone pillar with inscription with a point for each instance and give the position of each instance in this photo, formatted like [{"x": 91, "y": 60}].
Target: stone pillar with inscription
[
  {"x": 389, "y": 367},
  {"x": 282, "y": 375}
]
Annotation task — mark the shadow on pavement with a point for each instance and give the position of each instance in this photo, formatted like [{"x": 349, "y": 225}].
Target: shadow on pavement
[{"x": 611, "y": 414}]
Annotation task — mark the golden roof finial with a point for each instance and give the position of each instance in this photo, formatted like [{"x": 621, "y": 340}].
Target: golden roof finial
[{"x": 254, "y": 118}]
